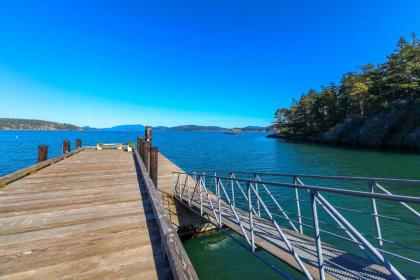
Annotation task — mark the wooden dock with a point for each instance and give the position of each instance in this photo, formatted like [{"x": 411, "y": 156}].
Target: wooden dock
[{"x": 89, "y": 216}]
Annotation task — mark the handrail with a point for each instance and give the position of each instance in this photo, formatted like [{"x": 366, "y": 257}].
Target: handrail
[
  {"x": 179, "y": 262},
  {"x": 328, "y": 177},
  {"x": 7, "y": 179},
  {"x": 375, "y": 254},
  {"x": 408, "y": 207},
  {"x": 398, "y": 198}
]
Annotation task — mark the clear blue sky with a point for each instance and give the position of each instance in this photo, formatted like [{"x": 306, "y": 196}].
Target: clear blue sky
[{"x": 228, "y": 63}]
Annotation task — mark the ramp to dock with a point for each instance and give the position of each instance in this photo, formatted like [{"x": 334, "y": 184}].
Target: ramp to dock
[
  {"x": 235, "y": 203},
  {"x": 305, "y": 246},
  {"x": 85, "y": 217}
]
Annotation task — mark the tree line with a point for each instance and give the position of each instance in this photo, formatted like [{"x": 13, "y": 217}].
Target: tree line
[{"x": 362, "y": 94}]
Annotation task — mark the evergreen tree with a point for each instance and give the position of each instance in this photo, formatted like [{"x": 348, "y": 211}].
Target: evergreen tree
[{"x": 358, "y": 94}]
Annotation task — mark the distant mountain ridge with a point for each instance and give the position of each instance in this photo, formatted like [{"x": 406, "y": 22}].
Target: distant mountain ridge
[
  {"x": 30, "y": 124},
  {"x": 190, "y": 127},
  {"x": 207, "y": 128}
]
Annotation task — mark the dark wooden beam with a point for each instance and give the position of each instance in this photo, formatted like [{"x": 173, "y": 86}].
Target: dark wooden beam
[
  {"x": 78, "y": 143},
  {"x": 66, "y": 146},
  {"x": 153, "y": 165},
  {"x": 148, "y": 134},
  {"x": 145, "y": 149},
  {"x": 42, "y": 153}
]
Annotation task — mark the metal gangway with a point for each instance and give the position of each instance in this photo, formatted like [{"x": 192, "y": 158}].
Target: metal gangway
[{"x": 326, "y": 227}]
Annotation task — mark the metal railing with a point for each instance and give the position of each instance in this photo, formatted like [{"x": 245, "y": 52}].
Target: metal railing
[{"x": 250, "y": 200}]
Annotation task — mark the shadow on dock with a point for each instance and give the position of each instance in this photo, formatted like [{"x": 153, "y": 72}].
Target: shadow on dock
[
  {"x": 161, "y": 263},
  {"x": 183, "y": 219}
]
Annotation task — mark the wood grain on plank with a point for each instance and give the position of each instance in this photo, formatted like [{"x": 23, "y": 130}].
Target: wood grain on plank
[{"x": 83, "y": 217}]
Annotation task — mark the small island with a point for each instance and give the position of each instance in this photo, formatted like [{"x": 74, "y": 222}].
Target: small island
[{"x": 376, "y": 107}]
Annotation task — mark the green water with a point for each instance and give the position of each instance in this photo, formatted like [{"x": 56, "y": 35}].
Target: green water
[{"x": 216, "y": 256}]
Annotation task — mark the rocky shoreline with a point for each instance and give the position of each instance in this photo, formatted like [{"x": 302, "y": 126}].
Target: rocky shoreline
[{"x": 397, "y": 128}]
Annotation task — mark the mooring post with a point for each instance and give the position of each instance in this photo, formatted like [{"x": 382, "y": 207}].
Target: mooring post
[
  {"x": 145, "y": 149},
  {"x": 78, "y": 143},
  {"x": 66, "y": 146},
  {"x": 42, "y": 153},
  {"x": 154, "y": 165},
  {"x": 139, "y": 140},
  {"x": 148, "y": 134}
]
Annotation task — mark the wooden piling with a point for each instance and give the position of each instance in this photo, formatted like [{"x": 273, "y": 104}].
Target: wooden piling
[
  {"x": 148, "y": 134},
  {"x": 145, "y": 149},
  {"x": 42, "y": 153},
  {"x": 78, "y": 143},
  {"x": 66, "y": 146},
  {"x": 139, "y": 140},
  {"x": 153, "y": 165}
]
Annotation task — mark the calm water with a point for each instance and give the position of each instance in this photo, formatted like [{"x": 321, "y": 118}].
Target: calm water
[{"x": 216, "y": 256}]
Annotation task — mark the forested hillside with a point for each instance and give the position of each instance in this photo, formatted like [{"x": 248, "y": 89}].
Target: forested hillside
[
  {"x": 25, "y": 124},
  {"x": 340, "y": 113}
]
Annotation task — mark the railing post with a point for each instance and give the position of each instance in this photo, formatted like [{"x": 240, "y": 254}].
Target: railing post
[
  {"x": 188, "y": 190},
  {"x": 66, "y": 146},
  {"x": 204, "y": 179},
  {"x": 256, "y": 189},
  {"x": 148, "y": 134},
  {"x": 215, "y": 182},
  {"x": 180, "y": 188},
  {"x": 193, "y": 179},
  {"x": 78, "y": 143},
  {"x": 201, "y": 196},
  {"x": 371, "y": 185},
  {"x": 154, "y": 165},
  {"x": 219, "y": 200},
  {"x": 173, "y": 183},
  {"x": 317, "y": 236},
  {"x": 298, "y": 205},
  {"x": 232, "y": 190},
  {"x": 42, "y": 153},
  {"x": 251, "y": 223}
]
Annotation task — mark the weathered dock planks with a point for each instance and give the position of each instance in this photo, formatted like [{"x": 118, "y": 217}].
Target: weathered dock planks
[{"x": 85, "y": 217}]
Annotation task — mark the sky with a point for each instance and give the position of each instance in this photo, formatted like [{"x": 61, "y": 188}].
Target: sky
[{"x": 208, "y": 62}]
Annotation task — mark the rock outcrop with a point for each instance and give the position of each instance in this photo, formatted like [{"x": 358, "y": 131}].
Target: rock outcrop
[{"x": 395, "y": 128}]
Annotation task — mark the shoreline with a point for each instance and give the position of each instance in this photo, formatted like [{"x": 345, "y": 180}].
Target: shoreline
[{"x": 340, "y": 144}]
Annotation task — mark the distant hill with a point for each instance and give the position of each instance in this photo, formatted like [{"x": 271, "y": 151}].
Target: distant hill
[
  {"x": 197, "y": 128},
  {"x": 28, "y": 124},
  {"x": 161, "y": 128},
  {"x": 127, "y": 127},
  {"x": 207, "y": 128}
]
